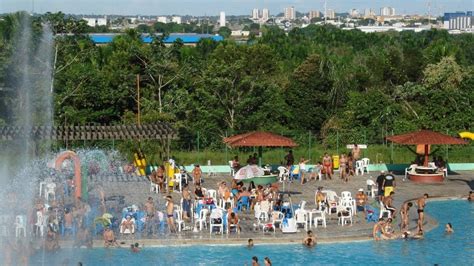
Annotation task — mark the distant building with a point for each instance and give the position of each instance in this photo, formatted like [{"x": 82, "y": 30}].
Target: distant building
[
  {"x": 354, "y": 13},
  {"x": 369, "y": 13},
  {"x": 162, "y": 19},
  {"x": 240, "y": 33},
  {"x": 289, "y": 13},
  {"x": 176, "y": 20},
  {"x": 255, "y": 14},
  {"x": 222, "y": 19},
  {"x": 313, "y": 14},
  {"x": 94, "y": 22},
  {"x": 387, "y": 11},
  {"x": 458, "y": 20},
  {"x": 331, "y": 14},
  {"x": 265, "y": 14}
]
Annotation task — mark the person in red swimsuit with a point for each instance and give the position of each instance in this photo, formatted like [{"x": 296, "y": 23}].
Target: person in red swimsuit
[{"x": 327, "y": 166}]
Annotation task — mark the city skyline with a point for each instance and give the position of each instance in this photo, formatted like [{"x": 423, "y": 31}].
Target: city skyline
[{"x": 230, "y": 7}]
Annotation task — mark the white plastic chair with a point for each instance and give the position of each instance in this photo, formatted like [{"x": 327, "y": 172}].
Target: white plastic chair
[
  {"x": 283, "y": 174},
  {"x": 202, "y": 219},
  {"x": 345, "y": 215},
  {"x": 359, "y": 167},
  {"x": 346, "y": 194},
  {"x": 384, "y": 211},
  {"x": 303, "y": 204},
  {"x": 179, "y": 220},
  {"x": 50, "y": 190},
  {"x": 302, "y": 218},
  {"x": 349, "y": 203},
  {"x": 319, "y": 216},
  {"x": 154, "y": 187},
  {"x": 212, "y": 193},
  {"x": 371, "y": 188},
  {"x": 365, "y": 164},
  {"x": 40, "y": 222},
  {"x": 332, "y": 200},
  {"x": 216, "y": 214},
  {"x": 277, "y": 218},
  {"x": 232, "y": 171},
  {"x": 4, "y": 224},
  {"x": 224, "y": 203},
  {"x": 20, "y": 225},
  {"x": 128, "y": 231}
]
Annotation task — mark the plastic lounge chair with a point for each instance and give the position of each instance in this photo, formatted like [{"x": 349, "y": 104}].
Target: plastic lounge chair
[
  {"x": 40, "y": 222},
  {"x": 202, "y": 219},
  {"x": 20, "y": 225},
  {"x": 301, "y": 217},
  {"x": 371, "y": 188},
  {"x": 216, "y": 220},
  {"x": 346, "y": 194},
  {"x": 179, "y": 220},
  {"x": 384, "y": 211},
  {"x": 345, "y": 215},
  {"x": 212, "y": 193},
  {"x": 127, "y": 231},
  {"x": 359, "y": 167},
  {"x": 50, "y": 190},
  {"x": 365, "y": 165},
  {"x": 232, "y": 171},
  {"x": 277, "y": 218},
  {"x": 319, "y": 216},
  {"x": 283, "y": 174}
]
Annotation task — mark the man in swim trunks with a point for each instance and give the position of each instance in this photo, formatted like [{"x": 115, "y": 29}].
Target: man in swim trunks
[
  {"x": 233, "y": 219},
  {"x": 388, "y": 184},
  {"x": 109, "y": 238},
  {"x": 404, "y": 215},
  {"x": 327, "y": 166},
  {"x": 421, "y": 202},
  {"x": 160, "y": 179},
  {"x": 290, "y": 159},
  {"x": 186, "y": 194},
  {"x": 197, "y": 173},
  {"x": 388, "y": 203},
  {"x": 169, "y": 214},
  {"x": 310, "y": 239},
  {"x": 355, "y": 153}
]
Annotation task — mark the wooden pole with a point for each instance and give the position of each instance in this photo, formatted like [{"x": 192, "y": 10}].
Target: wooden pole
[{"x": 427, "y": 156}]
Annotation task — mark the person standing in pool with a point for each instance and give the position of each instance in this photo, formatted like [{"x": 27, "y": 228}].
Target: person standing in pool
[
  {"x": 255, "y": 261},
  {"x": 404, "y": 215},
  {"x": 449, "y": 228},
  {"x": 421, "y": 212},
  {"x": 169, "y": 214},
  {"x": 267, "y": 261}
]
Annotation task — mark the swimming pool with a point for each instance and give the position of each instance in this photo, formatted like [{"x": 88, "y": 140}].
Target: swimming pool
[{"x": 436, "y": 248}]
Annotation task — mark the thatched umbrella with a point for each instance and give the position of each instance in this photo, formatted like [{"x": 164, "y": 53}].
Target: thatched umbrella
[{"x": 427, "y": 138}]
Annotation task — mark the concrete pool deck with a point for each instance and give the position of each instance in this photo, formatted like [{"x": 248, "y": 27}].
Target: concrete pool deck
[{"x": 455, "y": 186}]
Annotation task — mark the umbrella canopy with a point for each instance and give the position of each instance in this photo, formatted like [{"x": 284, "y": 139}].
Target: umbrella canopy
[
  {"x": 425, "y": 137},
  {"x": 249, "y": 171},
  {"x": 259, "y": 139}
]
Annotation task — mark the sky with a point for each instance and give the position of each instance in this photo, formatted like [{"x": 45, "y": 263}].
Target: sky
[{"x": 231, "y": 7}]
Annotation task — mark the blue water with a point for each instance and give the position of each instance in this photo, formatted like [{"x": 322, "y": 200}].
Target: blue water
[{"x": 436, "y": 248}]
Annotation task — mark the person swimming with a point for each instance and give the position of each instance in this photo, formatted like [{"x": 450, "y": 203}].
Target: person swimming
[
  {"x": 250, "y": 243},
  {"x": 449, "y": 228},
  {"x": 135, "y": 248},
  {"x": 309, "y": 240}
]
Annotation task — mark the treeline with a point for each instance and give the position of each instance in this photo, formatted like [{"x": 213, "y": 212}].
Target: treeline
[{"x": 318, "y": 79}]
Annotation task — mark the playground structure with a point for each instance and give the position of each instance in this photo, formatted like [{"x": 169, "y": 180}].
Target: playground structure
[
  {"x": 467, "y": 135},
  {"x": 77, "y": 170}
]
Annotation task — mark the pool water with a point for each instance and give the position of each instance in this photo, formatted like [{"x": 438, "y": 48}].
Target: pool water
[{"x": 436, "y": 248}]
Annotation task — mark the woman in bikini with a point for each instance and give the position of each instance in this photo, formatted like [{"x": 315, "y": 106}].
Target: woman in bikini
[{"x": 327, "y": 165}]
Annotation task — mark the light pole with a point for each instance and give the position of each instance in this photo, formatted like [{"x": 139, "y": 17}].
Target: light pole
[{"x": 325, "y": 11}]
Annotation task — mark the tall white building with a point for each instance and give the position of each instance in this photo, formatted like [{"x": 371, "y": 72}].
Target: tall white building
[
  {"x": 222, "y": 19},
  {"x": 176, "y": 19},
  {"x": 255, "y": 15},
  {"x": 387, "y": 11},
  {"x": 314, "y": 14},
  {"x": 331, "y": 14},
  {"x": 369, "y": 12},
  {"x": 289, "y": 13},
  {"x": 265, "y": 14}
]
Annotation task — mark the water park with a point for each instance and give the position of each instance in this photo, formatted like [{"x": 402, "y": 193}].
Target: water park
[{"x": 67, "y": 203}]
